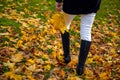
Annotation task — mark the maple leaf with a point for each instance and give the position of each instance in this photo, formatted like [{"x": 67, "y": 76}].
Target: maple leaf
[
  {"x": 104, "y": 76},
  {"x": 10, "y": 65},
  {"x": 31, "y": 61},
  {"x": 19, "y": 43},
  {"x": 47, "y": 67},
  {"x": 12, "y": 75},
  {"x": 89, "y": 60},
  {"x": 31, "y": 67},
  {"x": 17, "y": 57},
  {"x": 58, "y": 22}
]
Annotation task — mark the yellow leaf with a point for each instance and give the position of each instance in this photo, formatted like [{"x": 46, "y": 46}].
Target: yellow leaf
[
  {"x": 62, "y": 73},
  {"x": 10, "y": 65},
  {"x": 47, "y": 67},
  {"x": 89, "y": 60},
  {"x": 60, "y": 57},
  {"x": 31, "y": 67},
  {"x": 52, "y": 79},
  {"x": 24, "y": 24},
  {"x": 87, "y": 71},
  {"x": 19, "y": 43},
  {"x": 1, "y": 15},
  {"x": 12, "y": 75},
  {"x": 73, "y": 62},
  {"x": 103, "y": 76},
  {"x": 45, "y": 56},
  {"x": 17, "y": 57},
  {"x": 54, "y": 55},
  {"x": 109, "y": 44},
  {"x": 58, "y": 21},
  {"x": 54, "y": 31},
  {"x": 112, "y": 51},
  {"x": 34, "y": 37},
  {"x": 98, "y": 58},
  {"x": 74, "y": 78},
  {"x": 47, "y": 62},
  {"x": 26, "y": 10},
  {"x": 31, "y": 61},
  {"x": 77, "y": 44},
  {"x": 7, "y": 74},
  {"x": 18, "y": 77},
  {"x": 31, "y": 78},
  {"x": 12, "y": 49},
  {"x": 13, "y": 12},
  {"x": 36, "y": 54}
]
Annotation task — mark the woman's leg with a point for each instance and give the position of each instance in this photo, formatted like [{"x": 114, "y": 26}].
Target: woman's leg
[
  {"x": 85, "y": 26},
  {"x": 68, "y": 19},
  {"x": 65, "y": 39}
]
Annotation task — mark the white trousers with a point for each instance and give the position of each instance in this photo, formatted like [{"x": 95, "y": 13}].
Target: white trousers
[{"x": 85, "y": 24}]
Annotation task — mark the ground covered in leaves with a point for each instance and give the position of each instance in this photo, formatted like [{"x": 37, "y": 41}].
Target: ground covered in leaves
[{"x": 30, "y": 49}]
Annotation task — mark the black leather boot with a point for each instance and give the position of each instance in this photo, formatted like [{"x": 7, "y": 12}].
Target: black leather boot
[
  {"x": 66, "y": 47},
  {"x": 84, "y": 50}
]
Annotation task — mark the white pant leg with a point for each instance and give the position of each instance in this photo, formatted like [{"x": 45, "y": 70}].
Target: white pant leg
[
  {"x": 86, "y": 25},
  {"x": 69, "y": 18}
]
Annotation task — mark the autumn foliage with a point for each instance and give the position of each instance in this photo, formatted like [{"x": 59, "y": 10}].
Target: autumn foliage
[
  {"x": 58, "y": 22},
  {"x": 31, "y": 49}
]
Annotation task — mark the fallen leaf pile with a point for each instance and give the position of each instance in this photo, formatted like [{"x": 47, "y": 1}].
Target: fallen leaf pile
[{"x": 33, "y": 51}]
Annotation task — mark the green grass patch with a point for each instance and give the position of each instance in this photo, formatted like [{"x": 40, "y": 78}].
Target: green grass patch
[
  {"x": 49, "y": 50},
  {"x": 108, "y": 7},
  {"x": 8, "y": 22},
  {"x": 11, "y": 23},
  {"x": 6, "y": 69}
]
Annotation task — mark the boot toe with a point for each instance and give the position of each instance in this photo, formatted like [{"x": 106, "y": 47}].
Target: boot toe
[
  {"x": 80, "y": 70},
  {"x": 67, "y": 60}
]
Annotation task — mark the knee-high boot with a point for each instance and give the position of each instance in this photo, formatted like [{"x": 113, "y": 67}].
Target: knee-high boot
[
  {"x": 84, "y": 50},
  {"x": 66, "y": 47}
]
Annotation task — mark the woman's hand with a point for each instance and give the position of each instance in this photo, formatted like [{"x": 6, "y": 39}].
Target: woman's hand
[{"x": 58, "y": 6}]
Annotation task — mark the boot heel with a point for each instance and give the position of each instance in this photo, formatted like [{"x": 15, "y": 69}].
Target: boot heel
[{"x": 67, "y": 59}]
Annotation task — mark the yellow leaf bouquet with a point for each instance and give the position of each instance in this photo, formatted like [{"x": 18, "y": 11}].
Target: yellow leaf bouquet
[{"x": 58, "y": 22}]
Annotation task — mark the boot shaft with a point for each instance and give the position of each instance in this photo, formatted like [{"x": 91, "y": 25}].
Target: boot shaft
[
  {"x": 85, "y": 46},
  {"x": 66, "y": 42},
  {"x": 66, "y": 47},
  {"x": 84, "y": 50}
]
